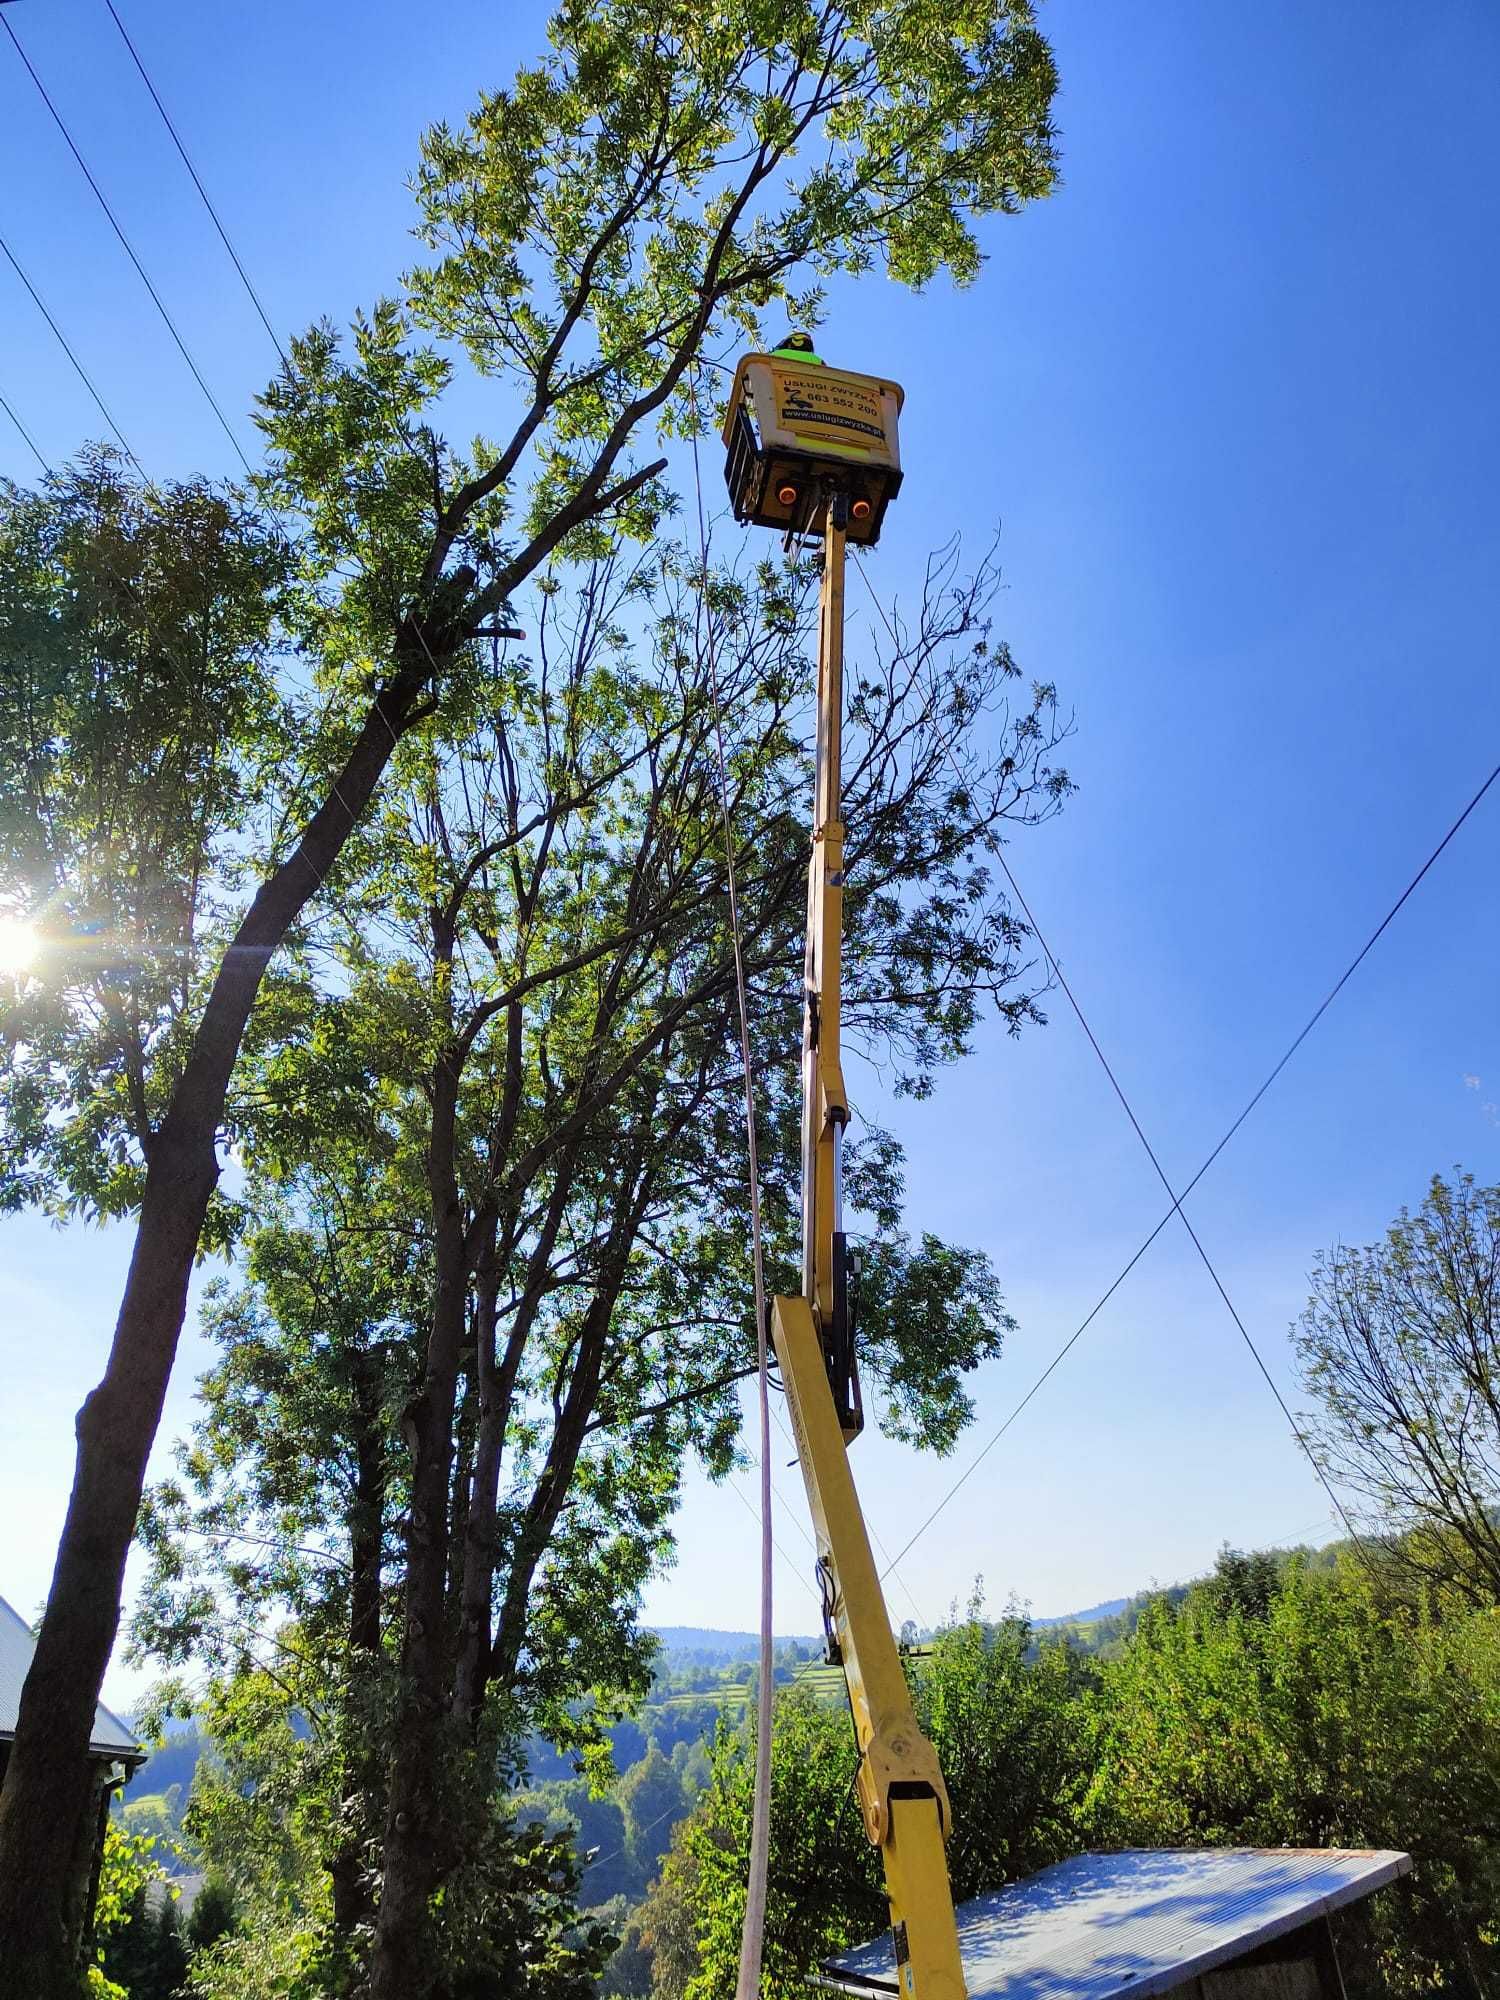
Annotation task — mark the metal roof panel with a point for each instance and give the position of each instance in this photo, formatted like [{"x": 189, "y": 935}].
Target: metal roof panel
[
  {"x": 111, "y": 1736},
  {"x": 1101, "y": 1926}
]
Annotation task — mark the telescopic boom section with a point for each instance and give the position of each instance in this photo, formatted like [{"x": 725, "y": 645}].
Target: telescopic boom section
[{"x": 828, "y": 451}]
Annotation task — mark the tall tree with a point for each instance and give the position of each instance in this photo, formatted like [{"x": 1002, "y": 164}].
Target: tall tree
[
  {"x": 1400, "y": 1345},
  {"x": 667, "y": 174},
  {"x": 504, "y": 1067}
]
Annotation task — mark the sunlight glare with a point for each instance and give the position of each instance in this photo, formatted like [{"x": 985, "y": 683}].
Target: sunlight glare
[{"x": 18, "y": 946}]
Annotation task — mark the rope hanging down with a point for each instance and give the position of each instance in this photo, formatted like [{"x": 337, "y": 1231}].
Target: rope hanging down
[{"x": 752, "y": 1937}]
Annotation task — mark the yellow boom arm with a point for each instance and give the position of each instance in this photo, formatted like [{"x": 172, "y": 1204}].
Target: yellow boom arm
[{"x": 901, "y": 1791}]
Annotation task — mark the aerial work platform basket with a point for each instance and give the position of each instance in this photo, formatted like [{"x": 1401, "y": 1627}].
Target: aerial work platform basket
[{"x": 798, "y": 432}]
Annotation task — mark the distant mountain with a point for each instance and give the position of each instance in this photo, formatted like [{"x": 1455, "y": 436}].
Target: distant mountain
[
  {"x": 172, "y": 1762},
  {"x": 714, "y": 1644},
  {"x": 1111, "y": 1608},
  {"x": 708, "y": 1643}
]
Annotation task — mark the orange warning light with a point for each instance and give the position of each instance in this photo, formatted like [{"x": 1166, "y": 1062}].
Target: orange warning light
[
  {"x": 787, "y": 494},
  {"x": 860, "y": 510}
]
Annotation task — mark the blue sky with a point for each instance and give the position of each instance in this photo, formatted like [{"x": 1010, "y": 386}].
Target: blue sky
[{"x": 1230, "y": 397}]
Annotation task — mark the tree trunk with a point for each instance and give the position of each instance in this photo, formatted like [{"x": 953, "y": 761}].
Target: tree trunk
[
  {"x": 494, "y": 1386},
  {"x": 497, "y": 1388},
  {"x": 550, "y": 1494},
  {"x": 353, "y": 1896},
  {"x": 47, "y": 1790},
  {"x": 415, "y": 1839}
]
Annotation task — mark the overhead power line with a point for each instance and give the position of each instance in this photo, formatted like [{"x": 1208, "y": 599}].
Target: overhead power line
[
  {"x": 1178, "y": 1199},
  {"x": 127, "y": 246},
  {"x": 78, "y": 368},
  {"x": 397, "y": 429},
  {"x": 870, "y": 1528},
  {"x": 31, "y": 441},
  {"x": 166, "y": 119}
]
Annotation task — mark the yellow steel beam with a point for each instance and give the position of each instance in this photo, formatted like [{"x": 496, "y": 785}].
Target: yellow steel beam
[
  {"x": 901, "y": 1792},
  {"x": 902, "y": 1796},
  {"x": 825, "y": 1107}
]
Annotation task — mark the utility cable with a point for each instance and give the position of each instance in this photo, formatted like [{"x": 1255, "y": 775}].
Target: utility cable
[
  {"x": 752, "y": 1937},
  {"x": 62, "y": 340},
  {"x": 397, "y": 430},
  {"x": 1177, "y": 1207},
  {"x": 780, "y": 1547},
  {"x": 1179, "y": 1199},
  {"x": 127, "y": 246},
  {"x": 197, "y": 183},
  {"x": 31, "y": 441},
  {"x": 870, "y": 1528}
]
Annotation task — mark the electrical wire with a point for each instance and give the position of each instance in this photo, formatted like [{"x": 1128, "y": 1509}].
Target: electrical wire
[
  {"x": 31, "y": 441},
  {"x": 78, "y": 368},
  {"x": 1178, "y": 1209},
  {"x": 752, "y": 1936},
  {"x": 197, "y": 183},
  {"x": 780, "y": 1547},
  {"x": 396, "y": 429},
  {"x": 1179, "y": 1199},
  {"x": 127, "y": 246},
  {"x": 870, "y": 1528}
]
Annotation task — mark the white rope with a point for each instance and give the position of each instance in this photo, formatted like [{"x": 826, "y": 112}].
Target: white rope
[{"x": 752, "y": 1936}]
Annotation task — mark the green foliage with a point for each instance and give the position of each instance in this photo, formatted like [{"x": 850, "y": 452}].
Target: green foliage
[
  {"x": 824, "y": 1890},
  {"x": 1273, "y": 1704},
  {"x": 652, "y": 1800},
  {"x": 597, "y": 1829},
  {"x": 139, "y": 726},
  {"x": 508, "y": 1924},
  {"x": 1247, "y": 1584},
  {"x": 1400, "y": 1346},
  {"x": 157, "y": 1817},
  {"x": 265, "y": 1962},
  {"x": 1339, "y": 1716},
  {"x": 213, "y": 1915},
  {"x": 1013, "y": 1726},
  {"x": 126, "y": 1872},
  {"x": 148, "y": 1956},
  {"x": 260, "y": 1804},
  {"x": 140, "y": 1953}
]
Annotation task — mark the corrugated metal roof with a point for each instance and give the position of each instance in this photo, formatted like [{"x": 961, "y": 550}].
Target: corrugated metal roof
[
  {"x": 1104, "y": 1925},
  {"x": 111, "y": 1737}
]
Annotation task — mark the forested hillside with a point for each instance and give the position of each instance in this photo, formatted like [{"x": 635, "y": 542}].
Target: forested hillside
[
  {"x": 700, "y": 1674},
  {"x": 1361, "y": 1717}
]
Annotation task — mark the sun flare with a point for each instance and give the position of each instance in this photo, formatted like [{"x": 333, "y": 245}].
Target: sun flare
[{"x": 18, "y": 946}]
